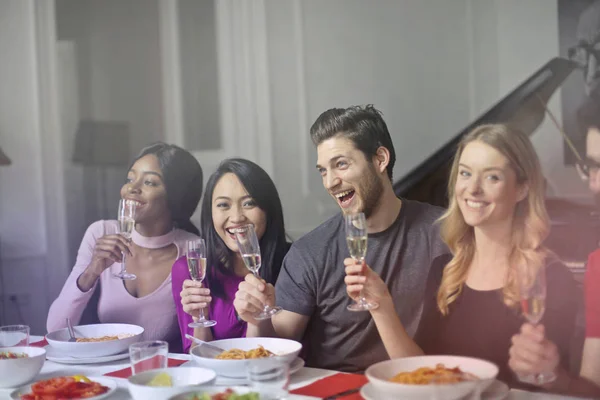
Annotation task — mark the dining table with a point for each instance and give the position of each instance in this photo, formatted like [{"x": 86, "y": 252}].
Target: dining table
[{"x": 305, "y": 384}]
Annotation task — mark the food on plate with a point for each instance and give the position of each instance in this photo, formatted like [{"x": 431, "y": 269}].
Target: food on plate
[
  {"x": 161, "y": 380},
  {"x": 237, "y": 354},
  {"x": 104, "y": 338},
  {"x": 228, "y": 394},
  {"x": 438, "y": 375},
  {"x": 6, "y": 355},
  {"x": 65, "y": 387}
]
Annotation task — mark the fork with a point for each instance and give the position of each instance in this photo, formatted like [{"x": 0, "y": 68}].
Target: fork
[
  {"x": 71, "y": 332},
  {"x": 208, "y": 349}
]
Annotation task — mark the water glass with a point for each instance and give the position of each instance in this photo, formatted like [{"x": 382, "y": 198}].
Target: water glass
[
  {"x": 270, "y": 378},
  {"x": 14, "y": 335},
  {"x": 148, "y": 355}
]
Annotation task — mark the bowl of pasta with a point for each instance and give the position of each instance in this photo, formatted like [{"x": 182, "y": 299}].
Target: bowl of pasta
[
  {"x": 240, "y": 352},
  {"x": 423, "y": 377},
  {"x": 95, "y": 340},
  {"x": 20, "y": 364}
]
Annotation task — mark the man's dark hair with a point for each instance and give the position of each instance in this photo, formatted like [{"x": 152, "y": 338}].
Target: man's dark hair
[{"x": 363, "y": 125}]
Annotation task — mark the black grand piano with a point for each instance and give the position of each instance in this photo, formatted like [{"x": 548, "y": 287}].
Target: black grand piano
[{"x": 575, "y": 228}]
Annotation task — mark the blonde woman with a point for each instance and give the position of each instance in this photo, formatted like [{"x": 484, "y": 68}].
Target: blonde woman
[{"x": 495, "y": 222}]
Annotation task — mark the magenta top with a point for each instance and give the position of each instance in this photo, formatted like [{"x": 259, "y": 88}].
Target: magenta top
[
  {"x": 154, "y": 312},
  {"x": 220, "y": 310}
]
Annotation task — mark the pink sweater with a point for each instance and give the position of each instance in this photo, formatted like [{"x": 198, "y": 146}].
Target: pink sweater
[{"x": 155, "y": 312}]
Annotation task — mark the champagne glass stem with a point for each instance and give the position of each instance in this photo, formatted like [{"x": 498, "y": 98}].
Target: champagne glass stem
[{"x": 123, "y": 268}]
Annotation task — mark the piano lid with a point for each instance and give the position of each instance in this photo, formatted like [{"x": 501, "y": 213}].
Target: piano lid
[{"x": 524, "y": 108}]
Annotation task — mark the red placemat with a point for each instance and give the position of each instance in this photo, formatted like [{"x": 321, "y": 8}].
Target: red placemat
[
  {"x": 41, "y": 343},
  {"x": 126, "y": 372},
  {"x": 334, "y": 384}
]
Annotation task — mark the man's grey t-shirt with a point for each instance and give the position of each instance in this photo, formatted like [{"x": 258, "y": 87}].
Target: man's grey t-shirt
[{"x": 311, "y": 283}]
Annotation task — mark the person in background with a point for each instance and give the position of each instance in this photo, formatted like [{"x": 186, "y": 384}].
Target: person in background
[
  {"x": 496, "y": 223},
  {"x": 238, "y": 193},
  {"x": 164, "y": 183},
  {"x": 542, "y": 355},
  {"x": 355, "y": 158}
]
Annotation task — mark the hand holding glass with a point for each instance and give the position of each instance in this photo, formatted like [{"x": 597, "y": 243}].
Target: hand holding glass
[
  {"x": 249, "y": 249},
  {"x": 196, "y": 261},
  {"x": 356, "y": 238},
  {"x": 532, "y": 290},
  {"x": 126, "y": 218}
]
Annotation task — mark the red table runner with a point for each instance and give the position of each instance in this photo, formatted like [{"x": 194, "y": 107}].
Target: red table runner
[
  {"x": 41, "y": 343},
  {"x": 126, "y": 372},
  {"x": 334, "y": 384}
]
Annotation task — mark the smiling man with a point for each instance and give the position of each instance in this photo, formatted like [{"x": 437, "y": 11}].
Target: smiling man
[{"x": 355, "y": 158}]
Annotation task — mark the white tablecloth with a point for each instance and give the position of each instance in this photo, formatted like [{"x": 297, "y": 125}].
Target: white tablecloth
[{"x": 301, "y": 378}]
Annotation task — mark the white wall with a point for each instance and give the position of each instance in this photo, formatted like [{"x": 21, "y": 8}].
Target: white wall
[
  {"x": 22, "y": 205},
  {"x": 410, "y": 59}
]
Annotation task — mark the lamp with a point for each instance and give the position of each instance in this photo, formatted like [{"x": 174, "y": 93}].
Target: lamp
[
  {"x": 4, "y": 160},
  {"x": 102, "y": 144}
]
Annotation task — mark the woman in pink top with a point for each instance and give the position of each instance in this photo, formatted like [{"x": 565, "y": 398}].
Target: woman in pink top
[
  {"x": 165, "y": 184},
  {"x": 238, "y": 193}
]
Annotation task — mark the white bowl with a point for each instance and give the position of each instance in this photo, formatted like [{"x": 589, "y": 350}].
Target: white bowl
[
  {"x": 60, "y": 340},
  {"x": 18, "y": 371},
  {"x": 380, "y": 373},
  {"x": 212, "y": 390},
  {"x": 184, "y": 379},
  {"x": 286, "y": 351}
]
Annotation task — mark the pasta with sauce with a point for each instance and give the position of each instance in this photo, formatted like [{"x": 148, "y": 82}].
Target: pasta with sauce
[
  {"x": 438, "y": 375},
  {"x": 238, "y": 354}
]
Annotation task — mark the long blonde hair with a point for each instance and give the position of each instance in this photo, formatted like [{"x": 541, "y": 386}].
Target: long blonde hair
[{"x": 530, "y": 220}]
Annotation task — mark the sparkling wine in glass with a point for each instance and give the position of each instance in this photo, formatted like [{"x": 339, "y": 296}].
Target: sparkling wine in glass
[
  {"x": 196, "y": 261},
  {"x": 249, "y": 248},
  {"x": 532, "y": 290},
  {"x": 356, "y": 238},
  {"x": 126, "y": 218}
]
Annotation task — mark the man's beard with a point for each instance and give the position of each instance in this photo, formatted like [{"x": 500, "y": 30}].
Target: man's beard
[{"x": 371, "y": 190}]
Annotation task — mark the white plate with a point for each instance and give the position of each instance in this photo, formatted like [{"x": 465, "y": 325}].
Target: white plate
[
  {"x": 496, "y": 391},
  {"x": 111, "y": 384},
  {"x": 54, "y": 355}
]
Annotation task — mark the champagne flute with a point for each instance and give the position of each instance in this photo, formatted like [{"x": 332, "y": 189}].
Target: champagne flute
[
  {"x": 532, "y": 290},
  {"x": 196, "y": 261},
  {"x": 249, "y": 248},
  {"x": 356, "y": 238},
  {"x": 126, "y": 218}
]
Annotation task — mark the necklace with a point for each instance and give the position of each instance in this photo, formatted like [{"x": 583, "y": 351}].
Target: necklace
[{"x": 153, "y": 242}]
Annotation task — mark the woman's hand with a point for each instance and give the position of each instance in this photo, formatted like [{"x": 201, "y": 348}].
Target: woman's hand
[
  {"x": 359, "y": 276},
  {"x": 252, "y": 295},
  {"x": 532, "y": 353},
  {"x": 194, "y": 297},
  {"x": 109, "y": 249}
]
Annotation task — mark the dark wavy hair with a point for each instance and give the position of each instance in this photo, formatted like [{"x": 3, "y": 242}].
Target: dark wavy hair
[
  {"x": 273, "y": 245},
  {"x": 363, "y": 125},
  {"x": 182, "y": 176}
]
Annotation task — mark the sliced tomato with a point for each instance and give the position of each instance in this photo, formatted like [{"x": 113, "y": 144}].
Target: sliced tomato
[
  {"x": 53, "y": 386},
  {"x": 83, "y": 390}
]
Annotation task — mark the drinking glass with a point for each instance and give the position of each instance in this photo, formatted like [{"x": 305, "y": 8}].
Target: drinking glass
[
  {"x": 270, "y": 378},
  {"x": 126, "y": 218},
  {"x": 249, "y": 248},
  {"x": 14, "y": 335},
  {"x": 356, "y": 238},
  {"x": 532, "y": 290},
  {"x": 148, "y": 355},
  {"x": 196, "y": 261}
]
